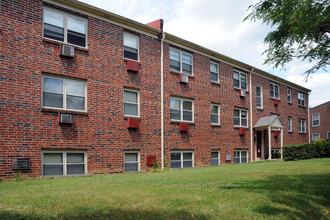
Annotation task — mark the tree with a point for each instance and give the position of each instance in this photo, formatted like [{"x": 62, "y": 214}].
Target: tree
[{"x": 302, "y": 31}]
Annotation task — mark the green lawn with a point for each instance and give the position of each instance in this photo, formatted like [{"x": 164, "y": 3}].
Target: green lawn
[{"x": 275, "y": 190}]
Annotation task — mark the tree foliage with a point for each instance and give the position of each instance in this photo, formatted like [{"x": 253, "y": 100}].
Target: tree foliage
[{"x": 302, "y": 31}]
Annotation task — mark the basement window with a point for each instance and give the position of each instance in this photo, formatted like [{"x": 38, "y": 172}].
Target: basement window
[
  {"x": 240, "y": 156},
  {"x": 182, "y": 159},
  {"x": 132, "y": 161},
  {"x": 58, "y": 163}
]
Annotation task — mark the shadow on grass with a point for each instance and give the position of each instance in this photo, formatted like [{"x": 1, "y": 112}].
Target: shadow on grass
[
  {"x": 294, "y": 196},
  {"x": 88, "y": 213}
]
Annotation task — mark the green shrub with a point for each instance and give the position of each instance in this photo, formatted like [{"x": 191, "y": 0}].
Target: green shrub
[
  {"x": 276, "y": 155},
  {"x": 319, "y": 148}
]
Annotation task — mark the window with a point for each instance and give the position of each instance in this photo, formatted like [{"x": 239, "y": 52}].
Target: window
[
  {"x": 181, "y": 159},
  {"x": 180, "y": 61},
  {"x": 181, "y": 109},
  {"x": 289, "y": 124},
  {"x": 316, "y": 119},
  {"x": 240, "y": 80},
  {"x": 214, "y": 67},
  {"x": 131, "y": 102},
  {"x": 131, "y": 46},
  {"x": 56, "y": 163},
  {"x": 132, "y": 161},
  {"x": 274, "y": 90},
  {"x": 328, "y": 135},
  {"x": 63, "y": 93},
  {"x": 240, "y": 118},
  {"x": 240, "y": 156},
  {"x": 215, "y": 158},
  {"x": 302, "y": 126},
  {"x": 315, "y": 136},
  {"x": 301, "y": 99},
  {"x": 274, "y": 150},
  {"x": 275, "y": 153},
  {"x": 64, "y": 27},
  {"x": 288, "y": 93},
  {"x": 215, "y": 114},
  {"x": 259, "y": 96}
]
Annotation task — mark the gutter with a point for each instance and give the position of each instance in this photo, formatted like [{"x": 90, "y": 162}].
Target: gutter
[
  {"x": 251, "y": 116},
  {"x": 162, "y": 96}
]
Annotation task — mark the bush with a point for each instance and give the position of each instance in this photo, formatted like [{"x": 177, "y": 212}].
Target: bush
[
  {"x": 319, "y": 148},
  {"x": 276, "y": 155}
]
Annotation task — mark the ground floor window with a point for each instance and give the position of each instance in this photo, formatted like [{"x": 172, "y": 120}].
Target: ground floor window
[
  {"x": 240, "y": 156},
  {"x": 55, "y": 163},
  {"x": 315, "y": 136},
  {"x": 132, "y": 161},
  {"x": 181, "y": 159},
  {"x": 215, "y": 158}
]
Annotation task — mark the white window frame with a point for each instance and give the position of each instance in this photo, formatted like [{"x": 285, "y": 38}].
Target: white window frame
[
  {"x": 216, "y": 151},
  {"x": 273, "y": 150},
  {"x": 290, "y": 123},
  {"x": 240, "y": 117},
  {"x": 288, "y": 90},
  {"x": 64, "y": 92},
  {"x": 240, "y": 156},
  {"x": 304, "y": 99},
  {"x": 217, "y": 65},
  {"x": 319, "y": 135},
  {"x": 218, "y": 123},
  {"x": 192, "y": 61},
  {"x": 274, "y": 86},
  {"x": 181, "y": 158},
  {"x": 181, "y": 109},
  {"x": 328, "y": 134},
  {"x": 65, "y": 26},
  {"x": 130, "y": 152},
  {"x": 138, "y": 102},
  {"x": 138, "y": 46},
  {"x": 302, "y": 124},
  {"x": 239, "y": 79},
  {"x": 261, "y": 96},
  {"x": 64, "y": 156},
  {"x": 315, "y": 114}
]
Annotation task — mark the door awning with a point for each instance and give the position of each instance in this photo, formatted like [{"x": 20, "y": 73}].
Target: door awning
[{"x": 272, "y": 121}]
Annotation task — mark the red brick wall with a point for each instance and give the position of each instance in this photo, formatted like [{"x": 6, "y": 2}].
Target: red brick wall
[
  {"x": 324, "y": 110},
  {"x": 26, "y": 128}
]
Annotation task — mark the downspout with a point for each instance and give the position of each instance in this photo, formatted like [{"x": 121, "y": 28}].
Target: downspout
[
  {"x": 162, "y": 96},
  {"x": 308, "y": 118},
  {"x": 251, "y": 115}
]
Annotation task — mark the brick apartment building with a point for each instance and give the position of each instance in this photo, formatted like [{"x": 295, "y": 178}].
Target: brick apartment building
[
  {"x": 85, "y": 91},
  {"x": 320, "y": 121}
]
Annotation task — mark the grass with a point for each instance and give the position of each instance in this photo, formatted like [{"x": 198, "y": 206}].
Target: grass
[{"x": 274, "y": 190}]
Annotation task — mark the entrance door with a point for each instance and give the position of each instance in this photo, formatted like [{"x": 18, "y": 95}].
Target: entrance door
[{"x": 259, "y": 144}]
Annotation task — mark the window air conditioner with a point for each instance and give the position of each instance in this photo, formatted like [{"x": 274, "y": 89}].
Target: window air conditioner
[
  {"x": 65, "y": 118},
  {"x": 67, "y": 50},
  {"x": 183, "y": 78}
]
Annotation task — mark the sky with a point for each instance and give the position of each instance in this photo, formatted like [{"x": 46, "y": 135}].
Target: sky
[{"x": 218, "y": 25}]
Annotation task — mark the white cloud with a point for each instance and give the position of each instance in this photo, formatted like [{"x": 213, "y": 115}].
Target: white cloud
[{"x": 217, "y": 25}]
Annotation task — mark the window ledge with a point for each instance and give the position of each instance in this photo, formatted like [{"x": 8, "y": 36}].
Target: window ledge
[
  {"x": 290, "y": 132},
  {"x": 126, "y": 59},
  {"x": 302, "y": 106},
  {"x": 215, "y": 125},
  {"x": 55, "y": 42},
  {"x": 238, "y": 89},
  {"x": 215, "y": 83},
  {"x": 67, "y": 176},
  {"x": 260, "y": 109},
  {"x": 127, "y": 117},
  {"x": 178, "y": 122},
  {"x": 272, "y": 98},
  {"x": 289, "y": 103},
  {"x": 238, "y": 127},
  {"x": 179, "y": 73},
  {"x": 63, "y": 111}
]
